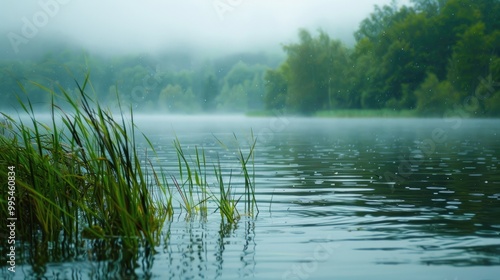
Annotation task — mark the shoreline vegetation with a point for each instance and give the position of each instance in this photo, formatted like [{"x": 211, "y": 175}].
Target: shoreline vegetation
[
  {"x": 348, "y": 113},
  {"x": 353, "y": 113},
  {"x": 84, "y": 175},
  {"x": 373, "y": 113},
  {"x": 430, "y": 57}
]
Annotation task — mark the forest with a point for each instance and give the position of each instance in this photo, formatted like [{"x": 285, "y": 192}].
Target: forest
[
  {"x": 429, "y": 58},
  {"x": 172, "y": 83}
]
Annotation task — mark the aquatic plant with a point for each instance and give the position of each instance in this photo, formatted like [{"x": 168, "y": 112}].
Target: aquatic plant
[
  {"x": 195, "y": 190},
  {"x": 227, "y": 200},
  {"x": 193, "y": 176},
  {"x": 85, "y": 173}
]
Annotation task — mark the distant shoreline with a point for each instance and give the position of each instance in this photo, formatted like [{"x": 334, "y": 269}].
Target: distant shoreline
[{"x": 362, "y": 113}]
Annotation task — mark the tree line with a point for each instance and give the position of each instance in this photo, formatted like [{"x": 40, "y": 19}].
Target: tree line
[
  {"x": 172, "y": 84},
  {"x": 429, "y": 57}
]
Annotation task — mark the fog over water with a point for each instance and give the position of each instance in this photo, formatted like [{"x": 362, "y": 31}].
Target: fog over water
[
  {"x": 365, "y": 159},
  {"x": 214, "y": 27}
]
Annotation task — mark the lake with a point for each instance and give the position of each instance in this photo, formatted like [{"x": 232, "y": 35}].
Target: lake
[{"x": 338, "y": 199}]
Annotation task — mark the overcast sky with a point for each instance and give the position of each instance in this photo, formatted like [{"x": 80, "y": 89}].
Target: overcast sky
[{"x": 205, "y": 26}]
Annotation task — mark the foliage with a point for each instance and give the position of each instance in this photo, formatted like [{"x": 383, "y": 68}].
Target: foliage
[
  {"x": 396, "y": 49},
  {"x": 210, "y": 92},
  {"x": 470, "y": 58},
  {"x": 434, "y": 97},
  {"x": 242, "y": 88},
  {"x": 174, "y": 99},
  {"x": 84, "y": 174},
  {"x": 276, "y": 87},
  {"x": 195, "y": 190},
  {"x": 314, "y": 75},
  {"x": 145, "y": 83},
  {"x": 88, "y": 167}
]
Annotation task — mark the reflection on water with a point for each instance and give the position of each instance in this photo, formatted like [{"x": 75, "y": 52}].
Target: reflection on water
[
  {"x": 202, "y": 250},
  {"x": 338, "y": 198}
]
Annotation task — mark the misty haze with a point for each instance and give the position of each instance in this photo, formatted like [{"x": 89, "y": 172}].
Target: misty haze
[{"x": 229, "y": 139}]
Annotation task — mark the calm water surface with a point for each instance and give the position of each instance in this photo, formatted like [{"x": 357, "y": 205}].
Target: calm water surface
[{"x": 338, "y": 199}]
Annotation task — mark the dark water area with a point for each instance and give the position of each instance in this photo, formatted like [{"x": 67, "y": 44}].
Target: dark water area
[{"x": 338, "y": 199}]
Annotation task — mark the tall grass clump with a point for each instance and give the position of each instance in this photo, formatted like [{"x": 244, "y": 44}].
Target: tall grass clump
[
  {"x": 201, "y": 184},
  {"x": 82, "y": 175},
  {"x": 227, "y": 200},
  {"x": 196, "y": 192},
  {"x": 193, "y": 187}
]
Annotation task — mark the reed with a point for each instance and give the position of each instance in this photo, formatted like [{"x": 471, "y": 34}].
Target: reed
[
  {"x": 226, "y": 201},
  {"x": 196, "y": 192},
  {"x": 247, "y": 169},
  {"x": 193, "y": 188},
  {"x": 249, "y": 176},
  {"x": 84, "y": 174}
]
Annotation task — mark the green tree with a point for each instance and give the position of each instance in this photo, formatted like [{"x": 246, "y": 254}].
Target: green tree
[
  {"x": 365, "y": 75},
  {"x": 210, "y": 92},
  {"x": 430, "y": 8},
  {"x": 470, "y": 59},
  {"x": 339, "y": 73},
  {"x": 487, "y": 92},
  {"x": 243, "y": 88},
  {"x": 492, "y": 105},
  {"x": 175, "y": 99},
  {"x": 256, "y": 89},
  {"x": 384, "y": 58},
  {"x": 232, "y": 99},
  {"x": 317, "y": 73},
  {"x": 377, "y": 23},
  {"x": 435, "y": 97},
  {"x": 276, "y": 83},
  {"x": 454, "y": 18},
  {"x": 307, "y": 88}
]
